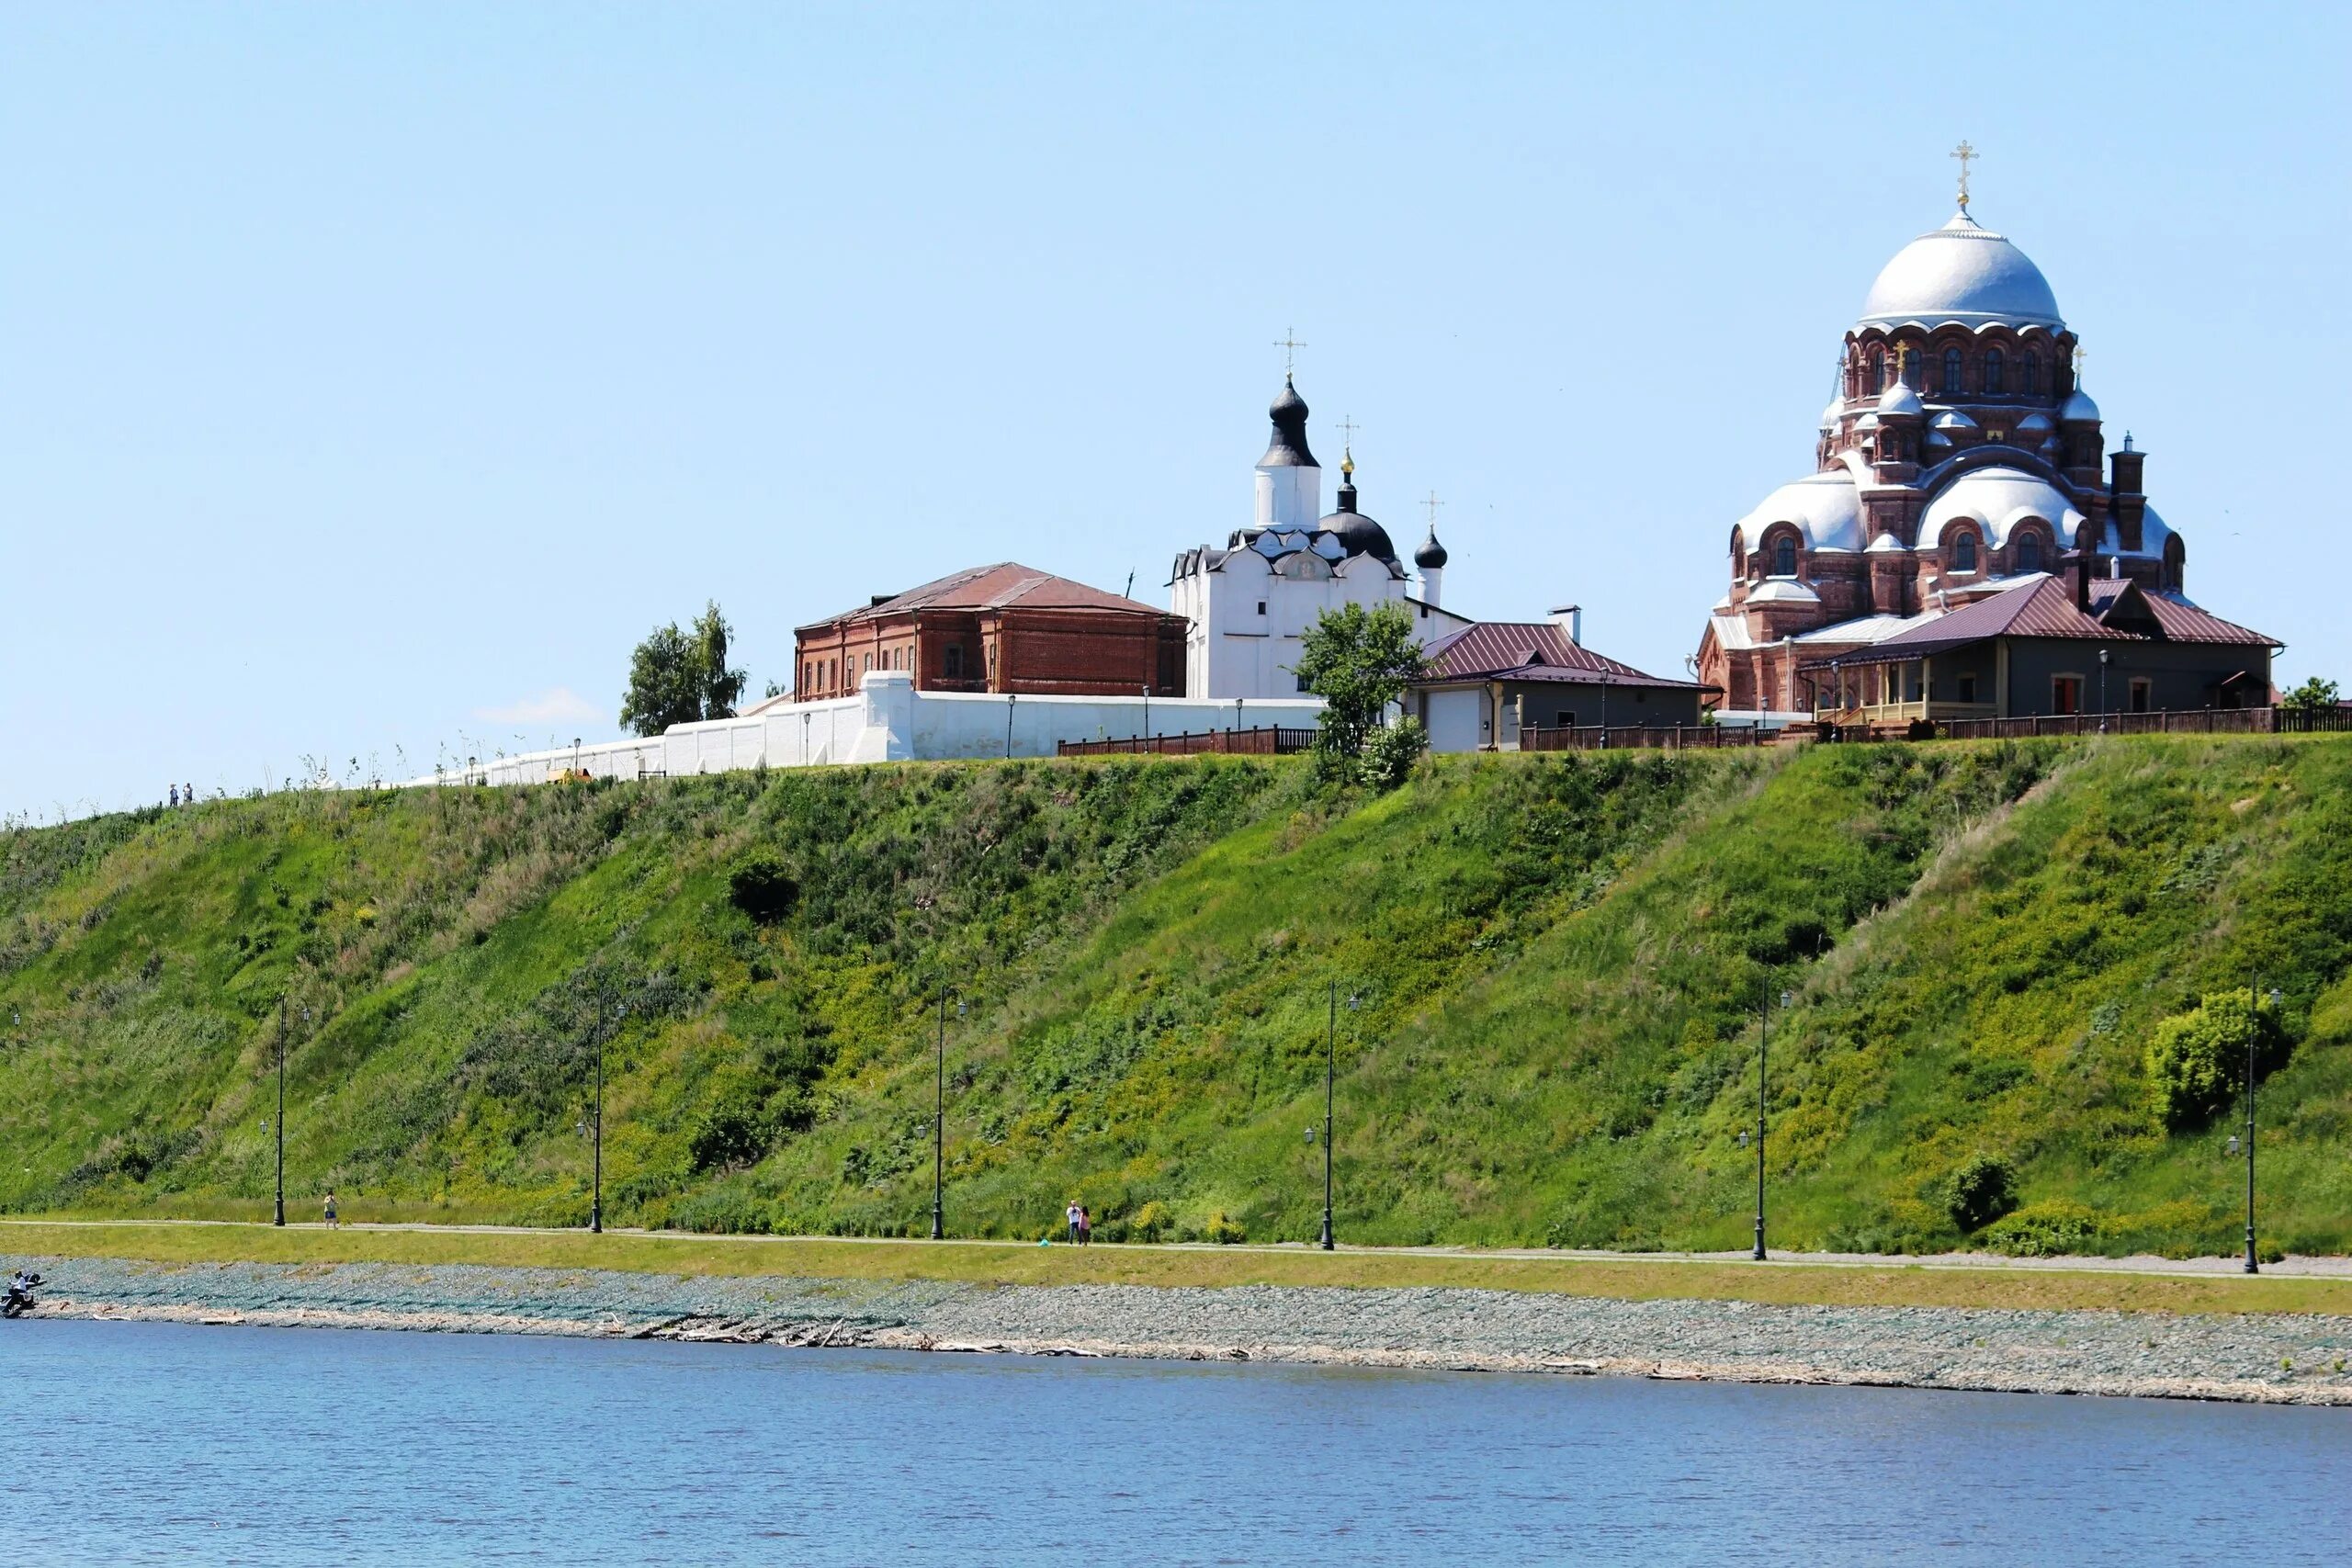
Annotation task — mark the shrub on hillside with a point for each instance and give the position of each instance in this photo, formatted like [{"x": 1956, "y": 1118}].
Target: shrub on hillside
[
  {"x": 1225, "y": 1230},
  {"x": 1979, "y": 1191},
  {"x": 2197, "y": 1060},
  {"x": 2055, "y": 1228},
  {"x": 1151, "y": 1222},
  {"x": 763, "y": 890},
  {"x": 1390, "y": 752}
]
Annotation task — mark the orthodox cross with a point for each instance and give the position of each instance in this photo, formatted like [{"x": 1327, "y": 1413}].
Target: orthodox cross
[
  {"x": 2081, "y": 354},
  {"x": 1348, "y": 429},
  {"x": 1290, "y": 345},
  {"x": 1433, "y": 504},
  {"x": 1966, "y": 154}
]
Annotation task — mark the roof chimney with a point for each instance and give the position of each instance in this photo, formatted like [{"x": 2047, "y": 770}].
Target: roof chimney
[
  {"x": 2083, "y": 577},
  {"x": 1569, "y": 618}
]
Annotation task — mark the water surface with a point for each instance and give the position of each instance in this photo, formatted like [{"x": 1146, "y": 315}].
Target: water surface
[{"x": 161, "y": 1443}]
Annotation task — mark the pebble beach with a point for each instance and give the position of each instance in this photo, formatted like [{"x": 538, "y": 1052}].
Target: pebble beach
[{"x": 2297, "y": 1358}]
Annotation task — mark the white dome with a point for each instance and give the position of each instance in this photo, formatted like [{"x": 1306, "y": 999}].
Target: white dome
[
  {"x": 1997, "y": 500},
  {"x": 1827, "y": 509},
  {"x": 2078, "y": 406},
  {"x": 1961, "y": 273},
  {"x": 1899, "y": 398},
  {"x": 1829, "y": 415}
]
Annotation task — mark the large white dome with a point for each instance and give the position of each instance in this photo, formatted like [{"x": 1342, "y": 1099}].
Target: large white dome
[{"x": 1961, "y": 273}]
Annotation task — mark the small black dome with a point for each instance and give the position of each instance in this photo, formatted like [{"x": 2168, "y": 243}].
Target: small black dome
[{"x": 1432, "y": 554}]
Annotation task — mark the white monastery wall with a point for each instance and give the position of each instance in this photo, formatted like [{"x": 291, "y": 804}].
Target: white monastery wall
[{"x": 889, "y": 721}]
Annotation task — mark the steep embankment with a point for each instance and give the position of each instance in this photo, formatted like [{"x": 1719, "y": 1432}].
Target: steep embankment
[{"x": 1556, "y": 964}]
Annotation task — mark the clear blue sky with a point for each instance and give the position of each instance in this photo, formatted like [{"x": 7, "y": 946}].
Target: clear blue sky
[{"x": 373, "y": 378}]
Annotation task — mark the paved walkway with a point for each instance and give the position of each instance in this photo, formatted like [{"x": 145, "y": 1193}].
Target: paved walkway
[{"x": 2310, "y": 1268}]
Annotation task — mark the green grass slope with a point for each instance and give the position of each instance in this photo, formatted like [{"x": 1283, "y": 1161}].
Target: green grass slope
[{"x": 1555, "y": 964}]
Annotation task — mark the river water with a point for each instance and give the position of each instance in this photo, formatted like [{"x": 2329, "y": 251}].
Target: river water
[{"x": 163, "y": 1443}]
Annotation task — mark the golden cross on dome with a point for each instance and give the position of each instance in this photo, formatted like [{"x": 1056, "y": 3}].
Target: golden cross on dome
[
  {"x": 1966, "y": 154},
  {"x": 1290, "y": 345},
  {"x": 1348, "y": 428},
  {"x": 2081, "y": 354}
]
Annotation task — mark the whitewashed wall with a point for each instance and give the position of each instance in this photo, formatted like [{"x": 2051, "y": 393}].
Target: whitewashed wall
[{"x": 889, "y": 721}]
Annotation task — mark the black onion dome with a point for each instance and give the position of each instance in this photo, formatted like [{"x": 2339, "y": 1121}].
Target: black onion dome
[
  {"x": 1357, "y": 534},
  {"x": 1288, "y": 448},
  {"x": 1432, "y": 554}
]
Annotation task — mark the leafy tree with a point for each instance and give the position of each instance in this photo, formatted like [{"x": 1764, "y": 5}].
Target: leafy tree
[
  {"x": 2314, "y": 695},
  {"x": 678, "y": 677},
  {"x": 1359, "y": 663},
  {"x": 2197, "y": 1059}
]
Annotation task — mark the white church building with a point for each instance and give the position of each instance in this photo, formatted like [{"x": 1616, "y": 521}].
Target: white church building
[{"x": 1249, "y": 605}]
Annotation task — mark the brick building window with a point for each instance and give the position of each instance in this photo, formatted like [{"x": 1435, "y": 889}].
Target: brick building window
[
  {"x": 1993, "y": 367},
  {"x": 1875, "y": 378},
  {"x": 952, "y": 662},
  {"x": 1963, "y": 553},
  {"x": 1951, "y": 373},
  {"x": 1784, "y": 556},
  {"x": 2032, "y": 376},
  {"x": 2028, "y": 551}
]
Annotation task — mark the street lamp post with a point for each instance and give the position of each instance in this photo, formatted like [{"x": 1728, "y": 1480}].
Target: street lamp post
[
  {"x": 596, "y": 1189},
  {"x": 2254, "y": 1033},
  {"x": 280, "y": 1218},
  {"x": 1330, "y": 1076},
  {"x": 2102, "y": 691},
  {"x": 939, "y": 1125},
  {"x": 1763, "y": 1046}
]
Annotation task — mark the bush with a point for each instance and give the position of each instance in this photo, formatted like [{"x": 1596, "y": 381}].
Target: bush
[
  {"x": 1980, "y": 1190},
  {"x": 2052, "y": 1229},
  {"x": 1151, "y": 1222},
  {"x": 763, "y": 890},
  {"x": 1389, "y": 753},
  {"x": 1223, "y": 1230},
  {"x": 2197, "y": 1061}
]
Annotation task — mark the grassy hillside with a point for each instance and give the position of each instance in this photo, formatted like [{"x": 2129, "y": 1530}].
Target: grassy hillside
[{"x": 1557, "y": 962}]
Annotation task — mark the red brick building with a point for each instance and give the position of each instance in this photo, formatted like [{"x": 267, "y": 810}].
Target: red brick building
[
  {"x": 1960, "y": 460},
  {"x": 998, "y": 629}
]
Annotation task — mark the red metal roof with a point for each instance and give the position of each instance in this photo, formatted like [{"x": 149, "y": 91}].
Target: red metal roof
[
  {"x": 993, "y": 588},
  {"x": 1528, "y": 650}
]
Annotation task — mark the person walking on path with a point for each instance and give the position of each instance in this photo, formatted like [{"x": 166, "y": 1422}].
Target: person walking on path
[
  {"x": 333, "y": 1223},
  {"x": 1071, "y": 1215},
  {"x": 1085, "y": 1227}
]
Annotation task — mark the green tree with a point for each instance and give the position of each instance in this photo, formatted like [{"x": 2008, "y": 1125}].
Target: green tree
[
  {"x": 678, "y": 677},
  {"x": 2197, "y": 1059},
  {"x": 1358, "y": 661},
  {"x": 2314, "y": 695}
]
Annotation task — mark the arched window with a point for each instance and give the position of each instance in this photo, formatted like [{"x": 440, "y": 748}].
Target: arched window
[
  {"x": 2175, "y": 554},
  {"x": 1992, "y": 372},
  {"x": 1963, "y": 553},
  {"x": 2028, "y": 551},
  {"x": 1739, "y": 553},
  {"x": 1877, "y": 373},
  {"x": 1784, "y": 556},
  {"x": 2033, "y": 388},
  {"x": 1951, "y": 373}
]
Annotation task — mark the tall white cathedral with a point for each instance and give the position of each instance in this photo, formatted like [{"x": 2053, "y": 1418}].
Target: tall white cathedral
[{"x": 1249, "y": 605}]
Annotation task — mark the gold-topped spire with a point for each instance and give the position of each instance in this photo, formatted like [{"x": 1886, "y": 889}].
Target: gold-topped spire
[
  {"x": 1348, "y": 428},
  {"x": 1966, "y": 154}
]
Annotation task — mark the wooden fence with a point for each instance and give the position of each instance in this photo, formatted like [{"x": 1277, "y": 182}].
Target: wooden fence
[
  {"x": 1629, "y": 736},
  {"x": 1269, "y": 742},
  {"x": 2171, "y": 721}
]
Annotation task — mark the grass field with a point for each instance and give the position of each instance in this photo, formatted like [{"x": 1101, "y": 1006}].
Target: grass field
[
  {"x": 1555, "y": 962},
  {"x": 1008, "y": 1263}
]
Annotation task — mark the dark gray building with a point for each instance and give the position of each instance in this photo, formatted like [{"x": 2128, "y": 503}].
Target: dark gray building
[
  {"x": 1485, "y": 683},
  {"x": 2067, "y": 644}
]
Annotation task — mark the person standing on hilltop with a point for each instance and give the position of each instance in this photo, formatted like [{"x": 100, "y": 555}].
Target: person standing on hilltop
[{"x": 176, "y": 795}]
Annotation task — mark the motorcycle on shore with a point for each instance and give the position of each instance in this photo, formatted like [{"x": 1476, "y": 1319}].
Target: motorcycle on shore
[{"x": 20, "y": 1295}]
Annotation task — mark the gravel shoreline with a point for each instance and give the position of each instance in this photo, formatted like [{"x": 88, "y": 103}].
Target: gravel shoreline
[{"x": 2294, "y": 1359}]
